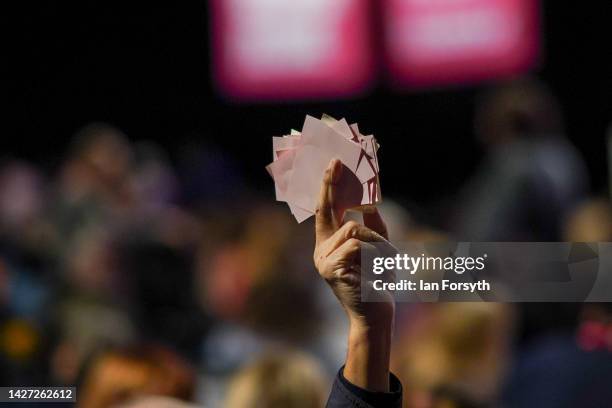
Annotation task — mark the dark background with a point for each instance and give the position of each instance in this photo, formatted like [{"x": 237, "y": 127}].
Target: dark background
[{"x": 146, "y": 68}]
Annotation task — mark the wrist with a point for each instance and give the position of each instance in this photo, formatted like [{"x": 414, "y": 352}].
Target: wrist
[
  {"x": 374, "y": 338},
  {"x": 369, "y": 349},
  {"x": 372, "y": 323},
  {"x": 359, "y": 327}
]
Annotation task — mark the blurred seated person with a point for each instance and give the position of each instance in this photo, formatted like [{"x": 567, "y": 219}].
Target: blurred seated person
[
  {"x": 572, "y": 366},
  {"x": 456, "y": 357},
  {"x": 531, "y": 175},
  {"x": 279, "y": 379},
  {"x": 94, "y": 181},
  {"x": 124, "y": 375},
  {"x": 569, "y": 368}
]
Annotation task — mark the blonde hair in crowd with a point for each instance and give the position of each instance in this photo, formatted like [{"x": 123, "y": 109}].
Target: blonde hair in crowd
[{"x": 285, "y": 379}]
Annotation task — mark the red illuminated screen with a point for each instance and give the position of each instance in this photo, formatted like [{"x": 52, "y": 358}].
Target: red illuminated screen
[
  {"x": 287, "y": 49},
  {"x": 430, "y": 42}
]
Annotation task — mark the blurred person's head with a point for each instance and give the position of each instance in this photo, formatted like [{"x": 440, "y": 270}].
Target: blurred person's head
[
  {"x": 518, "y": 108},
  {"x": 456, "y": 359},
  {"x": 280, "y": 379},
  {"x": 105, "y": 148},
  {"x": 123, "y": 375},
  {"x": 590, "y": 222},
  {"x": 21, "y": 194},
  {"x": 100, "y": 163},
  {"x": 224, "y": 280}
]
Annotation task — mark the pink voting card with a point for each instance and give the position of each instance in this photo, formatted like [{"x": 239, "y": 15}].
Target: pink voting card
[{"x": 300, "y": 160}]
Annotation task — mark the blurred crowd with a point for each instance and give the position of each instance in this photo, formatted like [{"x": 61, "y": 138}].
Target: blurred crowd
[{"x": 150, "y": 282}]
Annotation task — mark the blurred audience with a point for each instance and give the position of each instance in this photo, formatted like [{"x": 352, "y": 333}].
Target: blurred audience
[{"x": 126, "y": 246}]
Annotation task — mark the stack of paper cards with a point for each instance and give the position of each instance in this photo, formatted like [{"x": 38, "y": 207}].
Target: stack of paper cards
[{"x": 300, "y": 160}]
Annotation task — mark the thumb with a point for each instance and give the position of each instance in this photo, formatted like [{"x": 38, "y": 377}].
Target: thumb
[{"x": 326, "y": 221}]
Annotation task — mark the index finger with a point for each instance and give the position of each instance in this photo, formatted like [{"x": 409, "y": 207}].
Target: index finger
[{"x": 326, "y": 222}]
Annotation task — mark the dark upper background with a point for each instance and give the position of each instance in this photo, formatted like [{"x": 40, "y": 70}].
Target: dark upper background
[{"x": 146, "y": 69}]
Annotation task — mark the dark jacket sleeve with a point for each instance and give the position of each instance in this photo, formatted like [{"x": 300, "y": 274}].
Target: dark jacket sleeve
[{"x": 347, "y": 395}]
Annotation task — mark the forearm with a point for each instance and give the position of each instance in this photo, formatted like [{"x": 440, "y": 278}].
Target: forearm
[{"x": 367, "y": 361}]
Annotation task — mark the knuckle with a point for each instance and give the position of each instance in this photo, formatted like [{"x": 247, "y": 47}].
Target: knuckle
[
  {"x": 323, "y": 208},
  {"x": 352, "y": 228},
  {"x": 352, "y": 224},
  {"x": 355, "y": 243}
]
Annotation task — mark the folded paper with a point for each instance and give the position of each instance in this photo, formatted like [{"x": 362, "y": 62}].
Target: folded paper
[{"x": 300, "y": 160}]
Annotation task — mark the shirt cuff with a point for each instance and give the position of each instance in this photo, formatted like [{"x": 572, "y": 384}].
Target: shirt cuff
[{"x": 376, "y": 399}]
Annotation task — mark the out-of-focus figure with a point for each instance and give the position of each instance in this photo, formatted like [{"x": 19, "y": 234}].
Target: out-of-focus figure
[
  {"x": 100, "y": 161},
  {"x": 119, "y": 376},
  {"x": 531, "y": 176},
  {"x": 590, "y": 222},
  {"x": 568, "y": 368},
  {"x": 22, "y": 197},
  {"x": 250, "y": 279},
  {"x": 279, "y": 379},
  {"x": 572, "y": 365},
  {"x": 94, "y": 186},
  {"x": 91, "y": 312},
  {"x": 454, "y": 355}
]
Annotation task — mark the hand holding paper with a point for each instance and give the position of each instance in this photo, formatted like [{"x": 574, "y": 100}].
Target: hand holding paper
[
  {"x": 300, "y": 160},
  {"x": 337, "y": 258}
]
